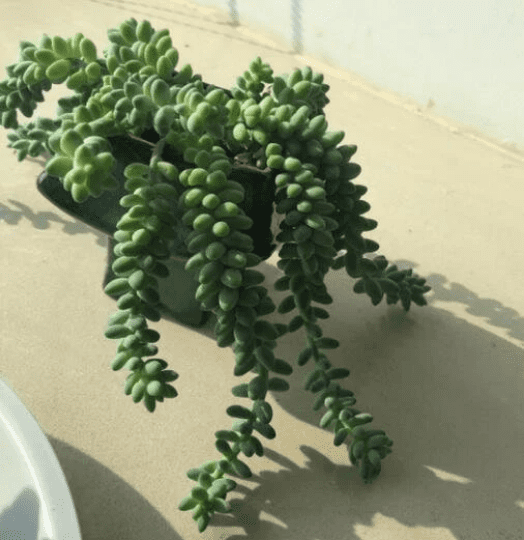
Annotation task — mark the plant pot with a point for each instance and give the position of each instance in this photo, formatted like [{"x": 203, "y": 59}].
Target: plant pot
[{"x": 177, "y": 292}]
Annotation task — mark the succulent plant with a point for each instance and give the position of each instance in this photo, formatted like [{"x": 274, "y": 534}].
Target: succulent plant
[{"x": 275, "y": 123}]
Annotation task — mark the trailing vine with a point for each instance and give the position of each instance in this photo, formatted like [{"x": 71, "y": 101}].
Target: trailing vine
[{"x": 278, "y": 124}]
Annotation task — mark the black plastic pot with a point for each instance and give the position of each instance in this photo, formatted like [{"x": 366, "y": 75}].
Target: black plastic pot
[{"x": 177, "y": 292}]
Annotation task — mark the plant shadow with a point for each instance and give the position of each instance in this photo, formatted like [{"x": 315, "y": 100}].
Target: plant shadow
[
  {"x": 449, "y": 393},
  {"x": 44, "y": 220},
  {"x": 106, "y": 505}
]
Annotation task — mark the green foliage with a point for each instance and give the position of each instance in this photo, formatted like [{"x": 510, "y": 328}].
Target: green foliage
[{"x": 279, "y": 123}]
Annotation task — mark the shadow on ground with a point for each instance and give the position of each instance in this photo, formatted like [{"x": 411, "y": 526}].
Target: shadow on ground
[
  {"x": 450, "y": 395},
  {"x": 103, "y": 497},
  {"x": 44, "y": 220}
]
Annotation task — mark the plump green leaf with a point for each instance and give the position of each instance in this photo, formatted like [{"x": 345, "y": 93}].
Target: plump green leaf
[
  {"x": 231, "y": 436},
  {"x": 277, "y": 384},
  {"x": 237, "y": 411},
  {"x": 281, "y": 367},
  {"x": 265, "y": 356},
  {"x": 263, "y": 411},
  {"x": 295, "y": 323},
  {"x": 223, "y": 447},
  {"x": 287, "y": 305},
  {"x": 59, "y": 166},
  {"x": 241, "y": 468},
  {"x": 265, "y": 430},
  {"x": 187, "y": 503},
  {"x": 337, "y": 373},
  {"x": 327, "y": 343},
  {"x": 328, "y": 417},
  {"x": 117, "y": 331},
  {"x": 304, "y": 356},
  {"x": 340, "y": 437},
  {"x": 117, "y": 287},
  {"x": 220, "y": 505},
  {"x": 265, "y": 330},
  {"x": 228, "y": 298},
  {"x": 257, "y": 388}
]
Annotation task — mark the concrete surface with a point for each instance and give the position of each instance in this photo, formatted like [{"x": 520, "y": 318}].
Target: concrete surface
[{"x": 445, "y": 381}]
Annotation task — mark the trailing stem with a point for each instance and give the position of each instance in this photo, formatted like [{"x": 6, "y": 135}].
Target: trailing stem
[{"x": 274, "y": 123}]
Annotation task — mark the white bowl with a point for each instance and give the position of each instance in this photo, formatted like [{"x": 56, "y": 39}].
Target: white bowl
[{"x": 35, "y": 501}]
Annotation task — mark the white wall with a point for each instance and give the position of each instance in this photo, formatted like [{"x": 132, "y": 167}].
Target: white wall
[{"x": 466, "y": 56}]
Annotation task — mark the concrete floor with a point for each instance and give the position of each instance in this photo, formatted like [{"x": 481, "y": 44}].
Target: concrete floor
[{"x": 446, "y": 381}]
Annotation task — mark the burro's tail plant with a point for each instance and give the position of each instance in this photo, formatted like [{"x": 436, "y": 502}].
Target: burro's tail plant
[{"x": 278, "y": 122}]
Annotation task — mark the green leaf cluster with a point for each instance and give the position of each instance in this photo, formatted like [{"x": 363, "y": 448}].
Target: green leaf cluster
[{"x": 278, "y": 124}]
